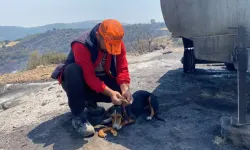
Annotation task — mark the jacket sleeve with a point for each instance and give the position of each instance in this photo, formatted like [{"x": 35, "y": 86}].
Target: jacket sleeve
[
  {"x": 83, "y": 58},
  {"x": 122, "y": 67}
]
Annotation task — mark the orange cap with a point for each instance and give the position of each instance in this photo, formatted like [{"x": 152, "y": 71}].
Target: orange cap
[{"x": 112, "y": 32}]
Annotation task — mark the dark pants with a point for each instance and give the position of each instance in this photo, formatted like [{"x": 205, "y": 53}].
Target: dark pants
[{"x": 79, "y": 94}]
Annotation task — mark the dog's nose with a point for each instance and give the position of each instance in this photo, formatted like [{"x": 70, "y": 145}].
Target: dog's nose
[{"x": 116, "y": 126}]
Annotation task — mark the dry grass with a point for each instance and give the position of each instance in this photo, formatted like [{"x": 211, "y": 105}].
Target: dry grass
[
  {"x": 1, "y": 45},
  {"x": 142, "y": 46},
  {"x": 46, "y": 59},
  {"x": 12, "y": 43},
  {"x": 41, "y": 73},
  {"x": 164, "y": 29},
  {"x": 168, "y": 41}
]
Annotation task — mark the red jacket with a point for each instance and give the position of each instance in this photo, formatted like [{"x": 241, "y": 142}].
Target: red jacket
[{"x": 83, "y": 58}]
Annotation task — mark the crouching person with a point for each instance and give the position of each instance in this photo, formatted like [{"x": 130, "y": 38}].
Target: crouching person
[{"x": 96, "y": 70}]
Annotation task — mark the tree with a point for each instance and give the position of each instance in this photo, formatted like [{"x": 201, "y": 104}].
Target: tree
[
  {"x": 34, "y": 60},
  {"x": 134, "y": 36},
  {"x": 149, "y": 35},
  {"x": 152, "y": 21}
]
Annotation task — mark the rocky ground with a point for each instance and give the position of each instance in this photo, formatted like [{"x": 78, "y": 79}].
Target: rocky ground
[{"x": 36, "y": 116}]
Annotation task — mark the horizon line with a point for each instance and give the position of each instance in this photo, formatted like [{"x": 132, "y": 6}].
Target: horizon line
[{"x": 34, "y": 26}]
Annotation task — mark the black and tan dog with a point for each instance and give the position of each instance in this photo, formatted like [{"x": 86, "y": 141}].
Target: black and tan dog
[{"x": 143, "y": 102}]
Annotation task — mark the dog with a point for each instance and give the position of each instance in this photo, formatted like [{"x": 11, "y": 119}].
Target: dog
[{"x": 143, "y": 102}]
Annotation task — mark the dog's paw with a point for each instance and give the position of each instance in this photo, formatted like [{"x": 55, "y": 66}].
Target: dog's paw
[{"x": 149, "y": 118}]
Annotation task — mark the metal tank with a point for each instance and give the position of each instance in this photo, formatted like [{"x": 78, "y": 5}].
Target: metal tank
[
  {"x": 213, "y": 31},
  {"x": 208, "y": 24}
]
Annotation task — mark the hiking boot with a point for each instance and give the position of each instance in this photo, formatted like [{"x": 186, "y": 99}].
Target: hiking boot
[
  {"x": 82, "y": 126},
  {"x": 98, "y": 115}
]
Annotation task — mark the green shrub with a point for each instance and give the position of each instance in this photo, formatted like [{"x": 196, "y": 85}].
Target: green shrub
[
  {"x": 35, "y": 59},
  {"x": 52, "y": 58}
]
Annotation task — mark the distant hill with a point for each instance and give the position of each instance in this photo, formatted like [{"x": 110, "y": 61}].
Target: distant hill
[
  {"x": 13, "y": 32},
  {"x": 58, "y": 40},
  {"x": 15, "y": 57}
]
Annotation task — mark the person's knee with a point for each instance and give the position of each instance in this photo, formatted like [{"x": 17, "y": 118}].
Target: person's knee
[
  {"x": 72, "y": 68},
  {"x": 72, "y": 71}
]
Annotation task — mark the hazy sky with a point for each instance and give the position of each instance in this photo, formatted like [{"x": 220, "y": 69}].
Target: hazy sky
[{"x": 29, "y": 13}]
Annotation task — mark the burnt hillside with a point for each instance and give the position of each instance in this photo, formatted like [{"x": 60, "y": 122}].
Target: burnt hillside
[{"x": 58, "y": 40}]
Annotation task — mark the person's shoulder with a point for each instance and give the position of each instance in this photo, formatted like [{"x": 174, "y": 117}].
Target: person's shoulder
[{"x": 79, "y": 45}]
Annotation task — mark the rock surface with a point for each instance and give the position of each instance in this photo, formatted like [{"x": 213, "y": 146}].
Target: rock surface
[
  {"x": 239, "y": 135},
  {"x": 191, "y": 104}
]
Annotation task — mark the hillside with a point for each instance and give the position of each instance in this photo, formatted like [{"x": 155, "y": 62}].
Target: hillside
[
  {"x": 15, "y": 57},
  {"x": 13, "y": 32}
]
